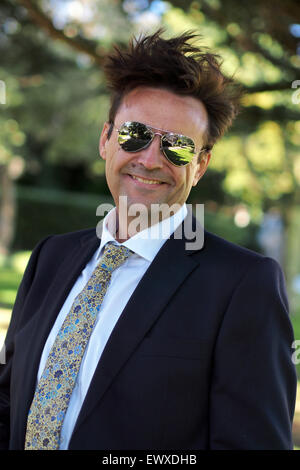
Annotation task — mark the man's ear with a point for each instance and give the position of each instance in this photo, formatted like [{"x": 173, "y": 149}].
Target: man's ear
[
  {"x": 103, "y": 140},
  {"x": 202, "y": 167}
]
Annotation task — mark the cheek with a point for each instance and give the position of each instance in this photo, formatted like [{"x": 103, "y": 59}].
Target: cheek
[
  {"x": 113, "y": 160},
  {"x": 194, "y": 179},
  {"x": 194, "y": 175},
  {"x": 189, "y": 177},
  {"x": 115, "y": 164}
]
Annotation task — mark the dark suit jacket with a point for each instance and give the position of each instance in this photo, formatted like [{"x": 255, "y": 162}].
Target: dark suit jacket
[{"x": 199, "y": 359}]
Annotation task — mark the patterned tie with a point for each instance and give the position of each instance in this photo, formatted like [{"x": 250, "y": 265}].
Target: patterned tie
[{"x": 53, "y": 392}]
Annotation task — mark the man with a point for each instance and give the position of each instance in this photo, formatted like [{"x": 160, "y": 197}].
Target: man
[{"x": 134, "y": 341}]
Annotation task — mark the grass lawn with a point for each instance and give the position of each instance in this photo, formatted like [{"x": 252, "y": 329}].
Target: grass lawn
[
  {"x": 11, "y": 272},
  {"x": 9, "y": 282}
]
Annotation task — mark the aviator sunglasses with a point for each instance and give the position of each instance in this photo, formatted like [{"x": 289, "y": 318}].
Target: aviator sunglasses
[{"x": 178, "y": 149}]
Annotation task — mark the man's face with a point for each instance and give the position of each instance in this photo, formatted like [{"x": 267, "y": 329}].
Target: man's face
[{"x": 165, "y": 110}]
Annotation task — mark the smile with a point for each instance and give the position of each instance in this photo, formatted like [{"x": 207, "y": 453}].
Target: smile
[{"x": 143, "y": 180}]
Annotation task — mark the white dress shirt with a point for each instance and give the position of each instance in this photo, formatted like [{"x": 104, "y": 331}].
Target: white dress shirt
[{"x": 145, "y": 245}]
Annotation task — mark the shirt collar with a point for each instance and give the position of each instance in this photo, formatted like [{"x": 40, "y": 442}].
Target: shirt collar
[{"x": 146, "y": 243}]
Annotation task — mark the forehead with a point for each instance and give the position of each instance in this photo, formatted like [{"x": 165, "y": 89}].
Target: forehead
[{"x": 165, "y": 110}]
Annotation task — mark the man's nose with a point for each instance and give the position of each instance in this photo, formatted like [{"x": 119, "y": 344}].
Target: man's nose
[{"x": 152, "y": 157}]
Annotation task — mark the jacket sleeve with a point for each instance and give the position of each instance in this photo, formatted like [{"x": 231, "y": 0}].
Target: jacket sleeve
[
  {"x": 253, "y": 386},
  {"x": 8, "y": 348}
]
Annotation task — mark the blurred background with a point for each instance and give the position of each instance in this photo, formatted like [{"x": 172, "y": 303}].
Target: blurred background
[{"x": 54, "y": 101}]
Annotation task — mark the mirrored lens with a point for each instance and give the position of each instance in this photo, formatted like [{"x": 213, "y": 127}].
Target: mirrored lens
[
  {"x": 179, "y": 149},
  {"x": 134, "y": 136}
]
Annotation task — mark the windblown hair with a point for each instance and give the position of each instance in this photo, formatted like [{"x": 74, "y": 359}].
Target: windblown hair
[{"x": 178, "y": 66}]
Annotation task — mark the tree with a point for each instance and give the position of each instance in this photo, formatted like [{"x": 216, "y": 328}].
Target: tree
[{"x": 258, "y": 161}]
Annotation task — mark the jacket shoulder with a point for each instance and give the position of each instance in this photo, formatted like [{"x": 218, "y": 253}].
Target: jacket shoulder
[
  {"x": 228, "y": 259},
  {"x": 55, "y": 248},
  {"x": 227, "y": 248},
  {"x": 69, "y": 239}
]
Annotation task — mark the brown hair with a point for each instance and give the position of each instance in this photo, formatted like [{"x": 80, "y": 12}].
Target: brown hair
[{"x": 178, "y": 66}]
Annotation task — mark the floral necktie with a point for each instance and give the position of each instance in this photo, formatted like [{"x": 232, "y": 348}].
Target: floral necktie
[{"x": 54, "y": 389}]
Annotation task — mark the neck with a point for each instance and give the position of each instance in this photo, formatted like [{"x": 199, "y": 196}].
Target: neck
[{"x": 128, "y": 225}]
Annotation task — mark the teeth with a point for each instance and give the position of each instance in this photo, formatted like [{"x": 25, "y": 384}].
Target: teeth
[{"x": 146, "y": 181}]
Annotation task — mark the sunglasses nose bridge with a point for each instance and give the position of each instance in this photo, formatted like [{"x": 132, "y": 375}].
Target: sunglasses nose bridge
[
  {"x": 161, "y": 137},
  {"x": 157, "y": 133},
  {"x": 151, "y": 156},
  {"x": 153, "y": 137}
]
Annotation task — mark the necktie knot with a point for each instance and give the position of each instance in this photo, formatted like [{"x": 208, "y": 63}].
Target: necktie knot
[{"x": 113, "y": 256}]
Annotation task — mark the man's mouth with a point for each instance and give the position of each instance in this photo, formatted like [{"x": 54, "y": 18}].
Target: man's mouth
[{"x": 145, "y": 180}]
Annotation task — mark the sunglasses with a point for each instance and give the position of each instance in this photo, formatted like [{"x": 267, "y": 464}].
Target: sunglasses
[{"x": 178, "y": 149}]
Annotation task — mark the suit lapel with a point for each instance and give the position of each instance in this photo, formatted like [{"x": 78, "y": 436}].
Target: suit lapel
[
  {"x": 41, "y": 324},
  {"x": 65, "y": 278},
  {"x": 153, "y": 292}
]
